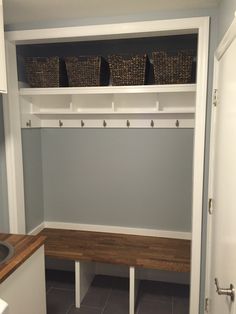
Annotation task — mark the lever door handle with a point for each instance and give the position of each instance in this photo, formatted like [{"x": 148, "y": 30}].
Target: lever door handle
[{"x": 225, "y": 291}]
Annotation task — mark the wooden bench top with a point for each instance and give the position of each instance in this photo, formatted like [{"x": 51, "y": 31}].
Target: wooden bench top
[{"x": 130, "y": 250}]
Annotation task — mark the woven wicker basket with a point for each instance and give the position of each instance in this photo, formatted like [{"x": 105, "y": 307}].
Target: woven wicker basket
[
  {"x": 173, "y": 68},
  {"x": 128, "y": 70},
  {"x": 87, "y": 71},
  {"x": 45, "y": 72}
]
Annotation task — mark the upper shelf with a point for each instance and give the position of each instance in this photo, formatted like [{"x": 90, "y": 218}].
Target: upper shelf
[{"x": 109, "y": 90}]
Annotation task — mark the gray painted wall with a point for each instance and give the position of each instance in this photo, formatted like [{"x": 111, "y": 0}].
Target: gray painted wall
[
  {"x": 157, "y": 15},
  {"x": 33, "y": 177},
  {"x": 227, "y": 9},
  {"x": 134, "y": 178},
  {"x": 4, "y": 220}
]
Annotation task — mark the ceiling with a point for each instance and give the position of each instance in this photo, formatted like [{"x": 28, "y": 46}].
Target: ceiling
[{"x": 31, "y": 11}]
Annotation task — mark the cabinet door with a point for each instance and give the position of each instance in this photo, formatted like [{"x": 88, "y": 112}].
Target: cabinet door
[{"x": 3, "y": 79}]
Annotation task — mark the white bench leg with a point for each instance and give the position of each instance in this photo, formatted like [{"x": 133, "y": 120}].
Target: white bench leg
[
  {"x": 133, "y": 290},
  {"x": 84, "y": 274}
]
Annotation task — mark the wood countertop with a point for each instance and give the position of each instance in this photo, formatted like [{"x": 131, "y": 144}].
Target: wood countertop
[
  {"x": 130, "y": 250},
  {"x": 24, "y": 247}
]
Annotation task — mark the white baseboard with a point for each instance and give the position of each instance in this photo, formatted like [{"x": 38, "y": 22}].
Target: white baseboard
[
  {"x": 37, "y": 229},
  {"x": 117, "y": 229}
]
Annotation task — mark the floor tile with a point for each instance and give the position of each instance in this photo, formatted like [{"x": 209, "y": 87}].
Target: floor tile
[
  {"x": 84, "y": 310},
  {"x": 151, "y": 291},
  {"x": 180, "y": 306},
  {"x": 155, "y": 308},
  {"x": 120, "y": 283},
  {"x": 98, "y": 293},
  {"x": 59, "y": 301},
  {"x": 60, "y": 279},
  {"x": 182, "y": 291},
  {"x": 110, "y": 295},
  {"x": 103, "y": 281},
  {"x": 118, "y": 302}
]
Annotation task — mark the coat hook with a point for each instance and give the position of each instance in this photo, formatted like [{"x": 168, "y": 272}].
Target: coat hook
[
  {"x": 60, "y": 123},
  {"x": 152, "y": 123},
  {"x": 28, "y": 124},
  {"x": 82, "y": 123},
  {"x": 104, "y": 123},
  {"x": 128, "y": 123},
  {"x": 177, "y": 123}
]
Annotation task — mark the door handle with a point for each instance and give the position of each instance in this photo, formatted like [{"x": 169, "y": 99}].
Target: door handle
[{"x": 223, "y": 291}]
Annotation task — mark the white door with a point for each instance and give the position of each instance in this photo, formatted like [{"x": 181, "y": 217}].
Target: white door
[{"x": 223, "y": 180}]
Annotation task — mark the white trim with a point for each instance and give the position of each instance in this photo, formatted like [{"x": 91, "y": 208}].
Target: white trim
[
  {"x": 84, "y": 275},
  {"x": 132, "y": 290},
  {"x": 107, "y": 31},
  {"x": 121, "y": 230},
  {"x": 227, "y": 40},
  {"x": 198, "y": 165},
  {"x": 211, "y": 181},
  {"x": 77, "y": 285},
  {"x": 3, "y": 72},
  {"x": 13, "y": 145},
  {"x": 176, "y": 121},
  {"x": 37, "y": 229},
  {"x": 143, "y": 89}
]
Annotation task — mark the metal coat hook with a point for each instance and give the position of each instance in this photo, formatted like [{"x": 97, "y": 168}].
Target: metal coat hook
[
  {"x": 104, "y": 123},
  {"x": 128, "y": 123},
  {"x": 177, "y": 123},
  {"x": 152, "y": 123},
  {"x": 60, "y": 123},
  {"x": 28, "y": 124},
  {"x": 82, "y": 123}
]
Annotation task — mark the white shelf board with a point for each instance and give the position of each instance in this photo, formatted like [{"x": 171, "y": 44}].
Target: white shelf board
[
  {"x": 119, "y": 112},
  {"x": 175, "y": 88},
  {"x": 177, "y": 110},
  {"x": 107, "y": 31}
]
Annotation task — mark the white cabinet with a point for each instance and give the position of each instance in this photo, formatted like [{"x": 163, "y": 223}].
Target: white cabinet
[
  {"x": 3, "y": 79},
  {"x": 24, "y": 289}
]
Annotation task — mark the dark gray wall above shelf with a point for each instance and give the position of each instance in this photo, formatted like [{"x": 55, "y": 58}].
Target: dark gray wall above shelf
[{"x": 107, "y": 47}]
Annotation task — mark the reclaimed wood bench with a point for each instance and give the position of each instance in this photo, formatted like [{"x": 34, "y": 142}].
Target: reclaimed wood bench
[{"x": 133, "y": 251}]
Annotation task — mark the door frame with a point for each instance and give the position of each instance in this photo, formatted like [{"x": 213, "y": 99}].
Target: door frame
[
  {"x": 227, "y": 40},
  {"x": 12, "y": 116}
]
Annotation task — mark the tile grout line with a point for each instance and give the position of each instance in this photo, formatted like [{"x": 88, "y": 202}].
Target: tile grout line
[
  {"x": 137, "y": 301},
  {"x": 48, "y": 290},
  {"x": 69, "y": 308},
  {"x": 63, "y": 289},
  {"x": 103, "y": 309},
  {"x": 138, "y": 308},
  {"x": 91, "y": 307}
]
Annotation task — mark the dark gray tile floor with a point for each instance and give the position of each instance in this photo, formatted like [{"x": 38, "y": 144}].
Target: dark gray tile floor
[{"x": 109, "y": 295}]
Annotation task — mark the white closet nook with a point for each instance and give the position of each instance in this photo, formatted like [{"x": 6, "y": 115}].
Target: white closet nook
[{"x": 148, "y": 106}]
